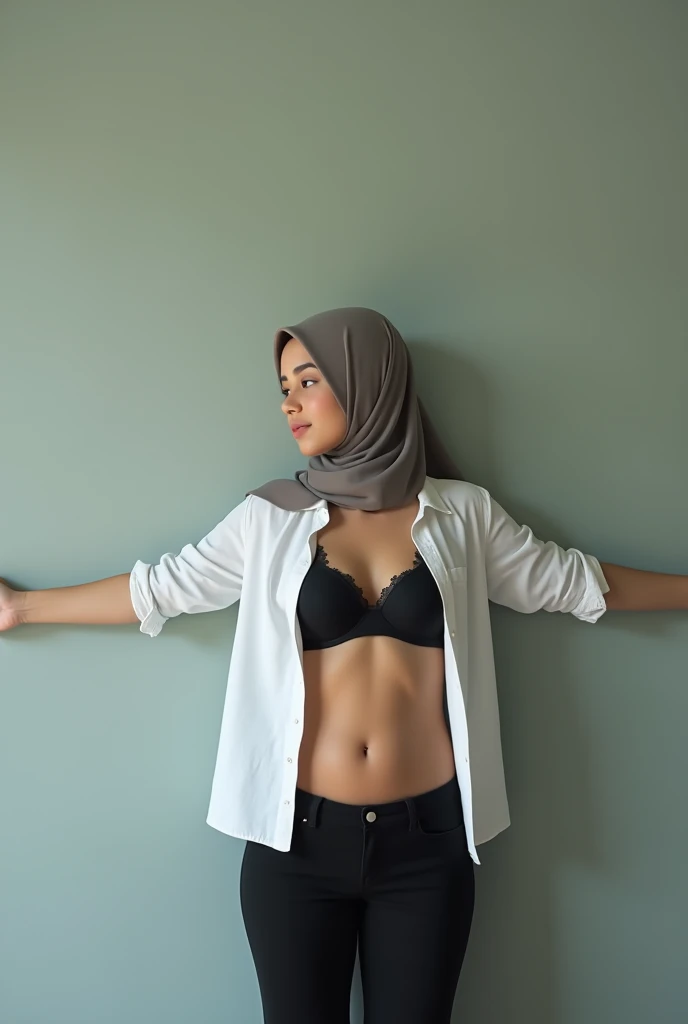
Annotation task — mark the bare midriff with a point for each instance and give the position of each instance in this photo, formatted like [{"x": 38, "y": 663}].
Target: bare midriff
[{"x": 374, "y": 727}]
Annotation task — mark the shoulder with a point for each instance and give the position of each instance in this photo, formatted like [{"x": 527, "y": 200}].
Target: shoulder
[
  {"x": 459, "y": 496},
  {"x": 262, "y": 510}
]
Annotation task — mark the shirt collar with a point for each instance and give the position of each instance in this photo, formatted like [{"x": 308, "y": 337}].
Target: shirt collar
[{"x": 429, "y": 495}]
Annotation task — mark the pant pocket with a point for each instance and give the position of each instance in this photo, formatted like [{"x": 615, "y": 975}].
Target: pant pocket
[{"x": 441, "y": 823}]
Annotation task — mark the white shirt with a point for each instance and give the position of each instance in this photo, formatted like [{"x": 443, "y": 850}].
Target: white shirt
[{"x": 260, "y": 553}]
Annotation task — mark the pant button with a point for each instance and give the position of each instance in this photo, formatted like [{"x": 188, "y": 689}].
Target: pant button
[{"x": 371, "y": 816}]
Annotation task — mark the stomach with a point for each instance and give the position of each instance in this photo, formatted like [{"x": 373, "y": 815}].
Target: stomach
[{"x": 374, "y": 727}]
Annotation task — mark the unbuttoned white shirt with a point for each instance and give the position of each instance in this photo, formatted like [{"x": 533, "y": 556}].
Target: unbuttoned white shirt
[{"x": 260, "y": 553}]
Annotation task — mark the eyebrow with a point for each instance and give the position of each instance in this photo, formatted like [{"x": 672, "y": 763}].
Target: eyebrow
[{"x": 301, "y": 366}]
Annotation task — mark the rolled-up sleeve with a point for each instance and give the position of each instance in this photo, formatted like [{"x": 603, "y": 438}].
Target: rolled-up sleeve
[
  {"x": 203, "y": 577},
  {"x": 531, "y": 575}
]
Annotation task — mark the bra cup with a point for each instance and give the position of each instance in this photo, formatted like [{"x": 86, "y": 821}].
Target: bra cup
[
  {"x": 415, "y": 591},
  {"x": 328, "y": 599}
]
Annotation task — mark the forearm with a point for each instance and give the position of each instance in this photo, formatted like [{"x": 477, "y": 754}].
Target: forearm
[
  {"x": 635, "y": 590},
  {"x": 104, "y": 602}
]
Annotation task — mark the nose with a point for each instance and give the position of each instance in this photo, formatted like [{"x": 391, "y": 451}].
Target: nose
[{"x": 289, "y": 403}]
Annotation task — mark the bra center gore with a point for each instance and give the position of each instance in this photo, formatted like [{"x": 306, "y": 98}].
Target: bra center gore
[{"x": 321, "y": 556}]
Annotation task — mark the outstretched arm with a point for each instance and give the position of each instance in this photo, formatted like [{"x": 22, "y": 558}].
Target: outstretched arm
[
  {"x": 203, "y": 577},
  {"x": 528, "y": 574},
  {"x": 104, "y": 602},
  {"x": 635, "y": 590}
]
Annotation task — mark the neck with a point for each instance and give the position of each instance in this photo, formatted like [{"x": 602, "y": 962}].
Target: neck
[{"x": 359, "y": 513}]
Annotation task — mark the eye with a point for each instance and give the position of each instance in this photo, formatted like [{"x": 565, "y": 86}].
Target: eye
[{"x": 306, "y": 380}]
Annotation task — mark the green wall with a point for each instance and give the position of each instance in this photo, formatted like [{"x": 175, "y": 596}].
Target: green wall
[{"x": 507, "y": 182}]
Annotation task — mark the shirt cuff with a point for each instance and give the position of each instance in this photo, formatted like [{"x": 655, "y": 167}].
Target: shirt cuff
[
  {"x": 593, "y": 604},
  {"x": 143, "y": 602}
]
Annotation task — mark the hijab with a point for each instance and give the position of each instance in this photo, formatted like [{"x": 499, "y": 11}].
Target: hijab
[{"x": 390, "y": 444}]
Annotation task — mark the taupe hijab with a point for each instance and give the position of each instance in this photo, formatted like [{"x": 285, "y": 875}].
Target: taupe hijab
[{"x": 390, "y": 444}]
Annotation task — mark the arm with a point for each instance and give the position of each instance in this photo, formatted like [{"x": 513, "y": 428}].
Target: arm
[
  {"x": 105, "y": 602},
  {"x": 530, "y": 575},
  {"x": 635, "y": 590},
  {"x": 203, "y": 577}
]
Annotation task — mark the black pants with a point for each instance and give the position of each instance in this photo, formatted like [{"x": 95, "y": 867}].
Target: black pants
[{"x": 396, "y": 878}]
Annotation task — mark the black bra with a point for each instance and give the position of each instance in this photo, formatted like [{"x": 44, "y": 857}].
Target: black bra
[{"x": 331, "y": 607}]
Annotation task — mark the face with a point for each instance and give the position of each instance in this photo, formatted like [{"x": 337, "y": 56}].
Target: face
[{"x": 315, "y": 417}]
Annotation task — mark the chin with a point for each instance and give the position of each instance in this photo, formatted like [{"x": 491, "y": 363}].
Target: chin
[{"x": 311, "y": 449}]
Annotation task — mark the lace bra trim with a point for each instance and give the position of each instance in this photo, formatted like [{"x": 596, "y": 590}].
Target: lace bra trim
[{"x": 321, "y": 556}]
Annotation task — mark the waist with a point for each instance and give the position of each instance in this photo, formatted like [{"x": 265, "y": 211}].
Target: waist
[{"x": 317, "y": 809}]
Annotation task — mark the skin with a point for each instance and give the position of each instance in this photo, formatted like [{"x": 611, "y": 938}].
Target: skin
[
  {"x": 374, "y": 727},
  {"x": 308, "y": 398}
]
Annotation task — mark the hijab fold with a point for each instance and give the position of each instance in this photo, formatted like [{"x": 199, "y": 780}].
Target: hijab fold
[{"x": 390, "y": 444}]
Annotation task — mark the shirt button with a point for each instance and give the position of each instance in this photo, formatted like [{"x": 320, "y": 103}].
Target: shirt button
[
  {"x": 371, "y": 816},
  {"x": 289, "y": 760},
  {"x": 452, "y": 633},
  {"x": 286, "y": 801},
  {"x": 296, "y": 721}
]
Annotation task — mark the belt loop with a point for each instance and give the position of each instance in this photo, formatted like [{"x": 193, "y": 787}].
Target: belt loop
[
  {"x": 413, "y": 816},
  {"x": 313, "y": 808}
]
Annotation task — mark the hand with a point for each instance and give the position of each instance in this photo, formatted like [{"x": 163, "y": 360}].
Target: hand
[{"x": 10, "y": 607}]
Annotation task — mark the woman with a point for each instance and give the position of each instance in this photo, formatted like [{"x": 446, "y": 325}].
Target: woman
[{"x": 359, "y": 753}]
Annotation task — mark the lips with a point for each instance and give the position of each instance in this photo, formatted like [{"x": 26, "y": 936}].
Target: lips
[{"x": 298, "y": 428}]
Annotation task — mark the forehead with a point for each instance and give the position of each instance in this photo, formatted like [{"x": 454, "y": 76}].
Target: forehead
[{"x": 293, "y": 353}]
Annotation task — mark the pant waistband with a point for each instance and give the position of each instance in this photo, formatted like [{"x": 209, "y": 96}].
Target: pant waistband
[{"x": 319, "y": 810}]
